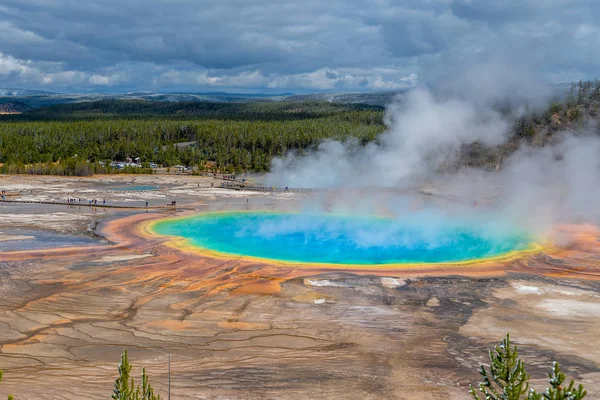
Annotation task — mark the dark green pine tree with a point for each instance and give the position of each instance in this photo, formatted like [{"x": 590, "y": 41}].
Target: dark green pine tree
[
  {"x": 145, "y": 392},
  {"x": 506, "y": 379},
  {"x": 557, "y": 391},
  {"x": 124, "y": 388}
]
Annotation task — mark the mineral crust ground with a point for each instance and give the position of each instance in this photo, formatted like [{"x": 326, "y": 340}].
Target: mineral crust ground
[{"x": 237, "y": 328}]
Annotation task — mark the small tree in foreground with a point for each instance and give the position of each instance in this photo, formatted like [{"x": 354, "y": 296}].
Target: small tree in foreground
[
  {"x": 557, "y": 391},
  {"x": 124, "y": 383},
  {"x": 507, "y": 379},
  {"x": 125, "y": 387},
  {"x": 145, "y": 392}
]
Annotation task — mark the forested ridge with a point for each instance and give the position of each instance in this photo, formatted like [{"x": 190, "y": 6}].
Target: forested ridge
[
  {"x": 539, "y": 127},
  {"x": 82, "y": 138},
  {"x": 251, "y": 110},
  {"x": 226, "y": 137}
]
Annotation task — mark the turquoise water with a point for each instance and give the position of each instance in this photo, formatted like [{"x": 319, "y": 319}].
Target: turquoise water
[
  {"x": 135, "y": 187},
  {"x": 325, "y": 238}
]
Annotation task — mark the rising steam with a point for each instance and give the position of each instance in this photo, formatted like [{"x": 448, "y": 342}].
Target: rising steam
[
  {"x": 424, "y": 132},
  {"x": 535, "y": 188}
]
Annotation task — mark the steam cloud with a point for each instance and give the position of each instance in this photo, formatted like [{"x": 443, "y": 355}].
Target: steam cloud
[
  {"x": 536, "y": 187},
  {"x": 424, "y": 132}
]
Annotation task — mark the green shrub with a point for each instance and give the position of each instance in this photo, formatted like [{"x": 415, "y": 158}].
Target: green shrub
[{"x": 506, "y": 379}]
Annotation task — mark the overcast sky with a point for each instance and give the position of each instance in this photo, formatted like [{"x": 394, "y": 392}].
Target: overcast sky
[{"x": 286, "y": 45}]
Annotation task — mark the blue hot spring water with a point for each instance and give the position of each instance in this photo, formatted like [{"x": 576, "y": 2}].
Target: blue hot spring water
[{"x": 340, "y": 239}]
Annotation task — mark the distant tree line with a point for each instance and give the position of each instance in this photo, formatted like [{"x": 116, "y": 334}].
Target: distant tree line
[
  {"x": 252, "y": 110},
  {"x": 83, "y": 138},
  {"x": 224, "y": 143},
  {"x": 581, "y": 98}
]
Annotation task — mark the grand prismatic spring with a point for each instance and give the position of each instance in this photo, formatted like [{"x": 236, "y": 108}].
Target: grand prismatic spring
[
  {"x": 342, "y": 239},
  {"x": 252, "y": 304}
]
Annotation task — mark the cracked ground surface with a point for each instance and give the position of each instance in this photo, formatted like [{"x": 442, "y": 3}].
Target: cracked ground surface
[{"x": 237, "y": 329}]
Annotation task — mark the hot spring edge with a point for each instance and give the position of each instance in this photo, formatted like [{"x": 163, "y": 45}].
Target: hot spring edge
[{"x": 331, "y": 239}]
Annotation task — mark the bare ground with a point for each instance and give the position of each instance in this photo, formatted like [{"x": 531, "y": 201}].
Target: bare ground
[{"x": 238, "y": 330}]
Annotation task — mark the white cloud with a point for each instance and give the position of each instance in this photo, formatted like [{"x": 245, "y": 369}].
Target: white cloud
[
  {"x": 313, "y": 44},
  {"x": 321, "y": 79},
  {"x": 345, "y": 79},
  {"x": 99, "y": 80},
  {"x": 31, "y": 73},
  {"x": 10, "y": 65}
]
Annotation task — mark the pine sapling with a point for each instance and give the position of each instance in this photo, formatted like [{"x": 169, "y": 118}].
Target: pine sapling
[
  {"x": 557, "y": 391},
  {"x": 506, "y": 379},
  {"x": 124, "y": 388},
  {"x": 145, "y": 392}
]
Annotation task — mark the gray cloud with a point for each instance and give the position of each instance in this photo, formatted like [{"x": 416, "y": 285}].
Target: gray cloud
[{"x": 311, "y": 45}]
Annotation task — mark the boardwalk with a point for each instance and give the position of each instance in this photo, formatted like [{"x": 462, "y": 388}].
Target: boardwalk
[
  {"x": 239, "y": 186},
  {"x": 91, "y": 205}
]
